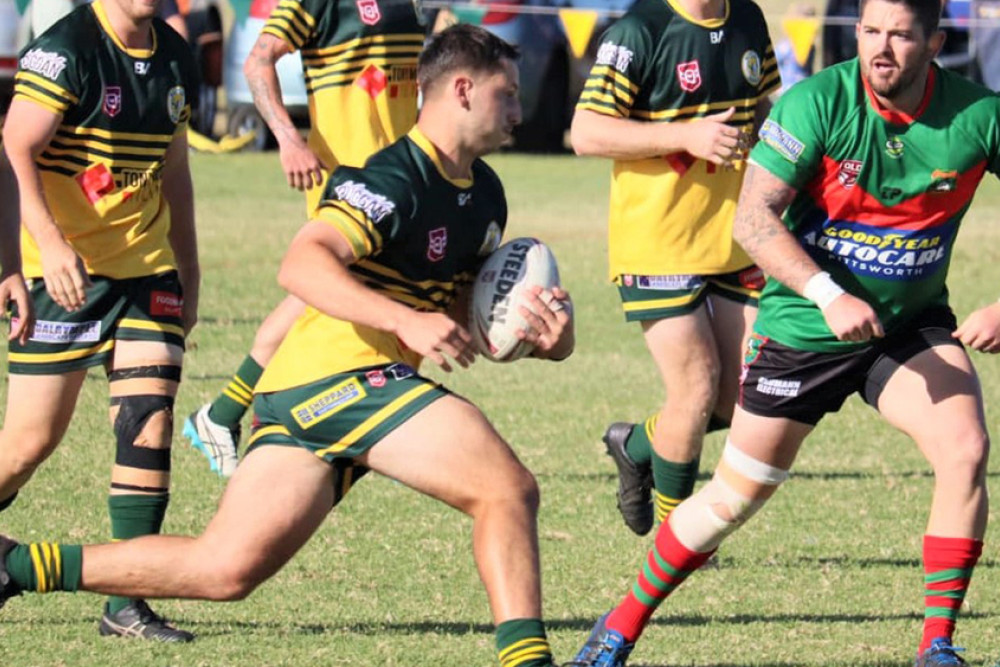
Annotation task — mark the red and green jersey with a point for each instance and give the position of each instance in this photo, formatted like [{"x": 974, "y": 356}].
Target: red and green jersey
[{"x": 880, "y": 194}]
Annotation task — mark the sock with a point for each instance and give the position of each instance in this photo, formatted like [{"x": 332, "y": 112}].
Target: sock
[
  {"x": 134, "y": 516},
  {"x": 673, "y": 483},
  {"x": 639, "y": 445},
  {"x": 948, "y": 564},
  {"x": 43, "y": 567},
  {"x": 7, "y": 502},
  {"x": 521, "y": 642},
  {"x": 669, "y": 563},
  {"x": 229, "y": 407}
]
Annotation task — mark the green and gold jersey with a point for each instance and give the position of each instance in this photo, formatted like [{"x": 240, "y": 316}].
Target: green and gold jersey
[
  {"x": 673, "y": 214},
  {"x": 418, "y": 237},
  {"x": 360, "y": 62},
  {"x": 102, "y": 170}
]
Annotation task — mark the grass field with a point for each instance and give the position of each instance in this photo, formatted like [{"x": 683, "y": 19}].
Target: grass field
[{"x": 827, "y": 576}]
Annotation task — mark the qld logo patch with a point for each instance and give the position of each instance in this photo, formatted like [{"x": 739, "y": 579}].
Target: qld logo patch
[
  {"x": 112, "y": 103},
  {"x": 689, "y": 76},
  {"x": 329, "y": 402},
  {"x": 376, "y": 379},
  {"x": 437, "y": 244},
  {"x": 849, "y": 172},
  {"x": 369, "y": 11}
]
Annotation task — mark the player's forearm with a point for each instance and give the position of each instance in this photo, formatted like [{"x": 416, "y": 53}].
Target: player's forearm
[
  {"x": 758, "y": 228},
  {"x": 179, "y": 194},
  {"x": 623, "y": 139},
  {"x": 262, "y": 78},
  {"x": 34, "y": 209}
]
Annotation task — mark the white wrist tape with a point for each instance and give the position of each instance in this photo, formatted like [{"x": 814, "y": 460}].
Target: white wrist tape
[{"x": 821, "y": 290}]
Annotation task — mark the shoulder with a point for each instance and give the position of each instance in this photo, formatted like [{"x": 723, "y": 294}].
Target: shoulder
[{"x": 73, "y": 36}]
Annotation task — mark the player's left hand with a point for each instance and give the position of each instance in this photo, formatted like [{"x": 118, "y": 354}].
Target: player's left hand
[
  {"x": 981, "y": 329},
  {"x": 13, "y": 288},
  {"x": 550, "y": 321}
]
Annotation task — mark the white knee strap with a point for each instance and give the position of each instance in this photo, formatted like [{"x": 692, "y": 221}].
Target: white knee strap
[{"x": 751, "y": 468}]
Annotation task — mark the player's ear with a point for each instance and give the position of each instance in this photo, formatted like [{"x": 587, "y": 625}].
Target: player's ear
[
  {"x": 936, "y": 43},
  {"x": 462, "y": 86}
]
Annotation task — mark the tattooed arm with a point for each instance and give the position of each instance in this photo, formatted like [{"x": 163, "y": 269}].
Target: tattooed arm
[
  {"x": 302, "y": 167},
  {"x": 759, "y": 229}
]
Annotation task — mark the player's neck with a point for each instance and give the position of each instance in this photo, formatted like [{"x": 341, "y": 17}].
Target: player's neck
[
  {"x": 133, "y": 33},
  {"x": 455, "y": 158},
  {"x": 703, "y": 10}
]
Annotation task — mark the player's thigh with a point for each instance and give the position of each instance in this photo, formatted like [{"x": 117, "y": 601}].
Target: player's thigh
[
  {"x": 732, "y": 324},
  {"x": 271, "y": 507},
  {"x": 684, "y": 348},
  {"x": 935, "y": 398},
  {"x": 772, "y": 440},
  {"x": 39, "y": 410},
  {"x": 450, "y": 451}
]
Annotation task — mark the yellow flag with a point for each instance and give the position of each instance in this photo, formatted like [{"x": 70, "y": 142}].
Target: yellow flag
[
  {"x": 579, "y": 25},
  {"x": 802, "y": 33}
]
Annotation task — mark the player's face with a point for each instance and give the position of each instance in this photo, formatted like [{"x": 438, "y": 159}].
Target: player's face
[
  {"x": 892, "y": 49},
  {"x": 138, "y": 10},
  {"x": 498, "y": 108}
]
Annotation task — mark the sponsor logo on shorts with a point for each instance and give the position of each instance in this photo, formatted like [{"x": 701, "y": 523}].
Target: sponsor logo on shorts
[
  {"x": 48, "y": 64},
  {"x": 781, "y": 140},
  {"x": 689, "y": 76},
  {"x": 401, "y": 371},
  {"x": 788, "y": 388},
  {"x": 849, "y": 172},
  {"x": 165, "y": 304},
  {"x": 375, "y": 379},
  {"x": 112, "y": 104},
  {"x": 369, "y": 11},
  {"x": 329, "y": 402},
  {"x": 668, "y": 283},
  {"x": 750, "y": 65},
  {"x": 752, "y": 278},
  {"x": 59, "y": 333},
  {"x": 437, "y": 244},
  {"x": 610, "y": 54},
  {"x": 889, "y": 254},
  {"x": 377, "y": 207}
]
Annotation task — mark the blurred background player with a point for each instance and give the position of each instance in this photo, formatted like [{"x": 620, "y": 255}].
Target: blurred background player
[
  {"x": 385, "y": 265},
  {"x": 360, "y": 60},
  {"x": 674, "y": 97},
  {"x": 96, "y": 135}
]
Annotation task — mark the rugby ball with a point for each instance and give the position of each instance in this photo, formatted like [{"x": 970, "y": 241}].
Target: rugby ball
[{"x": 501, "y": 286}]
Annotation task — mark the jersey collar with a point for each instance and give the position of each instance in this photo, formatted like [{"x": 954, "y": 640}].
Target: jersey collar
[
  {"x": 102, "y": 18},
  {"x": 708, "y": 23},
  {"x": 898, "y": 117},
  {"x": 424, "y": 144}
]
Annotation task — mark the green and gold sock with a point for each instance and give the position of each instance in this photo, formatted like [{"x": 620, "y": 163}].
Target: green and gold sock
[
  {"x": 673, "y": 483},
  {"x": 639, "y": 445},
  {"x": 229, "y": 407},
  {"x": 44, "y": 567},
  {"x": 521, "y": 642},
  {"x": 134, "y": 515}
]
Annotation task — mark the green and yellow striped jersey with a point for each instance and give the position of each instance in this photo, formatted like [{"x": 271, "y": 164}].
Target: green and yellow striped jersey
[
  {"x": 673, "y": 214},
  {"x": 418, "y": 236},
  {"x": 101, "y": 172},
  {"x": 360, "y": 63}
]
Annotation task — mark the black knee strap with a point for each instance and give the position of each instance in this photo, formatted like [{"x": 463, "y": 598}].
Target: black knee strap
[{"x": 133, "y": 413}]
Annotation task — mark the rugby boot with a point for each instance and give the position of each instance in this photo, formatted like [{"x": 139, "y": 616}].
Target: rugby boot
[{"x": 635, "y": 481}]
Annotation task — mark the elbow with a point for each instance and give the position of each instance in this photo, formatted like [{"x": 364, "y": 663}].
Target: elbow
[
  {"x": 580, "y": 138},
  {"x": 287, "y": 276}
]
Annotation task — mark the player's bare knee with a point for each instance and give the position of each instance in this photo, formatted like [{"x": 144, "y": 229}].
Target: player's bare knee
[
  {"x": 964, "y": 455},
  {"x": 24, "y": 452}
]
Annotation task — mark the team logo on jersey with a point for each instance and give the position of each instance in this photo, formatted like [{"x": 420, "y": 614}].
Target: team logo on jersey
[
  {"x": 944, "y": 181},
  {"x": 369, "y": 11},
  {"x": 175, "y": 103},
  {"x": 375, "y": 379},
  {"x": 689, "y": 76},
  {"x": 112, "y": 102},
  {"x": 492, "y": 240},
  {"x": 849, "y": 172},
  {"x": 750, "y": 65},
  {"x": 894, "y": 147},
  {"x": 437, "y": 243}
]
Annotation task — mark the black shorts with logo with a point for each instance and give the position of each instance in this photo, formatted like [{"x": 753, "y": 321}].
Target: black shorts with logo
[{"x": 782, "y": 381}]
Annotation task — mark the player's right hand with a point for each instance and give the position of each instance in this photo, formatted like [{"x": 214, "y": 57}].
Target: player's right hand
[
  {"x": 65, "y": 276},
  {"x": 302, "y": 167},
  {"x": 437, "y": 337},
  {"x": 852, "y": 319},
  {"x": 711, "y": 139},
  {"x": 13, "y": 288}
]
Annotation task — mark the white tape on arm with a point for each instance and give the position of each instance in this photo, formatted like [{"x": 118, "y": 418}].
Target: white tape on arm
[{"x": 822, "y": 290}]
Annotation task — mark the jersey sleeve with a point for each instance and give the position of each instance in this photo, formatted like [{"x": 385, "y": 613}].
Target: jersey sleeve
[
  {"x": 367, "y": 207},
  {"x": 49, "y": 74},
  {"x": 294, "y": 21},
  {"x": 619, "y": 70},
  {"x": 791, "y": 139}
]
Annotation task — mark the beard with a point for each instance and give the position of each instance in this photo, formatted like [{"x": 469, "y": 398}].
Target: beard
[{"x": 898, "y": 83}]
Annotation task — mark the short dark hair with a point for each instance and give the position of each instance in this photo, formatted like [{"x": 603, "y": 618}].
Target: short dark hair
[
  {"x": 462, "y": 46},
  {"x": 928, "y": 12}
]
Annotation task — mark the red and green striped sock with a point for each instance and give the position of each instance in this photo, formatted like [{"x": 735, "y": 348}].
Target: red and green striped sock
[
  {"x": 948, "y": 565},
  {"x": 669, "y": 563}
]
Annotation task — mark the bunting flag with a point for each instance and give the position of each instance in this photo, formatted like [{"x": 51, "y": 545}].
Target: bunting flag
[
  {"x": 226, "y": 144},
  {"x": 579, "y": 25},
  {"x": 473, "y": 15},
  {"x": 802, "y": 33}
]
